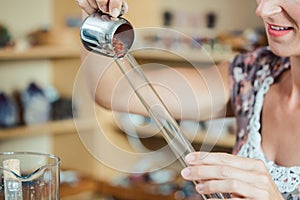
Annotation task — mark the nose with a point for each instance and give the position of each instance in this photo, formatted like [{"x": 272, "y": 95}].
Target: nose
[{"x": 267, "y": 8}]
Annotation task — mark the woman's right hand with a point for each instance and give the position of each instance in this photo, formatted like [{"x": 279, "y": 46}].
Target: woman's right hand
[
  {"x": 113, "y": 7},
  {"x": 244, "y": 178}
]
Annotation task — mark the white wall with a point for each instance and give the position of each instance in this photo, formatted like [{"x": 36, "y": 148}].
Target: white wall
[
  {"x": 16, "y": 75},
  {"x": 23, "y": 16},
  {"x": 232, "y": 14}
]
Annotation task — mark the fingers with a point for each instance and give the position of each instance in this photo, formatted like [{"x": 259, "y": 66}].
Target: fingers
[
  {"x": 205, "y": 172},
  {"x": 226, "y": 173},
  {"x": 231, "y": 179},
  {"x": 113, "y": 7},
  {"x": 93, "y": 4},
  {"x": 203, "y": 158},
  {"x": 221, "y": 166},
  {"x": 238, "y": 189},
  {"x": 86, "y": 6},
  {"x": 103, "y": 5}
]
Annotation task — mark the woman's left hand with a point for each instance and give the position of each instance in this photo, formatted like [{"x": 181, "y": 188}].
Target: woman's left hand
[{"x": 244, "y": 178}]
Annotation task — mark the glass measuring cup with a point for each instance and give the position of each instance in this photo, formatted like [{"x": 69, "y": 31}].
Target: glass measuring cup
[{"x": 29, "y": 176}]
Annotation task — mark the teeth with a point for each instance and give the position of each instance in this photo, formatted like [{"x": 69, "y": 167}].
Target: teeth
[{"x": 279, "y": 28}]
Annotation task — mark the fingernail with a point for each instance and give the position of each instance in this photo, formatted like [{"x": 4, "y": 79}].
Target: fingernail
[
  {"x": 199, "y": 187},
  {"x": 103, "y": 8},
  {"x": 185, "y": 172},
  {"x": 190, "y": 158},
  {"x": 115, "y": 12}
]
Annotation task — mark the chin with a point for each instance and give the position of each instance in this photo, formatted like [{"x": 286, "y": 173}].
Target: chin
[
  {"x": 281, "y": 51},
  {"x": 285, "y": 49}
]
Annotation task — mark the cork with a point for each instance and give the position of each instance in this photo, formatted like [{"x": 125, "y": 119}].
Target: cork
[
  {"x": 12, "y": 165},
  {"x": 12, "y": 185}
]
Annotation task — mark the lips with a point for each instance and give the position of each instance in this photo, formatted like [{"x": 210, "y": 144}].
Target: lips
[{"x": 278, "y": 31}]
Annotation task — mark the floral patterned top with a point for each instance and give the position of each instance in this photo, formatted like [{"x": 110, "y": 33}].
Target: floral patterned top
[{"x": 251, "y": 75}]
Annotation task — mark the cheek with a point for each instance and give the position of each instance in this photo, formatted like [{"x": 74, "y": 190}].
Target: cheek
[
  {"x": 292, "y": 8},
  {"x": 294, "y": 11},
  {"x": 293, "y": 1}
]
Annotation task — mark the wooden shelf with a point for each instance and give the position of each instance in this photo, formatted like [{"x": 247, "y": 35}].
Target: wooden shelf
[
  {"x": 105, "y": 189},
  {"x": 52, "y": 52},
  {"x": 226, "y": 140},
  {"x": 40, "y": 52},
  {"x": 53, "y": 127},
  {"x": 83, "y": 186},
  {"x": 138, "y": 191},
  {"x": 193, "y": 57}
]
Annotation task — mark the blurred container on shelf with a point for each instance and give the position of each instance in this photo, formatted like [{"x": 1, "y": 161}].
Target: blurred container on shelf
[
  {"x": 61, "y": 37},
  {"x": 243, "y": 40},
  {"x": 35, "y": 105},
  {"x": 62, "y": 109},
  {"x": 9, "y": 111},
  {"x": 5, "y": 37}
]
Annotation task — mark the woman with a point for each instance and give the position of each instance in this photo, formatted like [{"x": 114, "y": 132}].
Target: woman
[{"x": 264, "y": 90}]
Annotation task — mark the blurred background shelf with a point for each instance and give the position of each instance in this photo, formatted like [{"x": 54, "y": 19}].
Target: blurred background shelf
[
  {"x": 88, "y": 188},
  {"x": 224, "y": 139},
  {"x": 39, "y": 52},
  {"x": 191, "y": 58},
  {"x": 140, "y": 192},
  {"x": 58, "y": 127},
  {"x": 62, "y": 52}
]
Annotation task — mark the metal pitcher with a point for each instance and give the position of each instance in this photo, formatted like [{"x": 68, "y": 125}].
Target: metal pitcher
[{"x": 107, "y": 35}]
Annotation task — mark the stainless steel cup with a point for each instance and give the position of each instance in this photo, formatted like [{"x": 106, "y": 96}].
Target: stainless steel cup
[{"x": 106, "y": 35}]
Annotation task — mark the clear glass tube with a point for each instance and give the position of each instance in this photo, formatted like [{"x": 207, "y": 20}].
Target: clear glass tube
[{"x": 166, "y": 123}]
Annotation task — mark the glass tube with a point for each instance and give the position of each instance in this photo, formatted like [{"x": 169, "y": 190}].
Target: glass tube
[{"x": 166, "y": 123}]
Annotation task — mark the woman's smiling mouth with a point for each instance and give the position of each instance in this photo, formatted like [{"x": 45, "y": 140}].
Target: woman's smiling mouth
[{"x": 278, "y": 31}]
